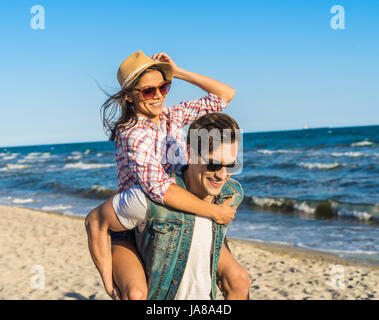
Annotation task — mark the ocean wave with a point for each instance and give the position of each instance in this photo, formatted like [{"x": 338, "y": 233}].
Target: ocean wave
[
  {"x": 9, "y": 156},
  {"x": 22, "y": 201},
  {"x": 319, "y": 208},
  {"x": 320, "y": 166},
  {"x": 36, "y": 157},
  {"x": 56, "y": 208},
  {"x": 88, "y": 166},
  {"x": 10, "y": 167},
  {"x": 364, "y": 143},
  {"x": 347, "y": 154},
  {"x": 98, "y": 192},
  {"x": 264, "y": 151},
  {"x": 94, "y": 192},
  {"x": 75, "y": 155}
]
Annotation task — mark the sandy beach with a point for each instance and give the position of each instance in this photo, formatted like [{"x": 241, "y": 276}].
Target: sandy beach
[{"x": 45, "y": 256}]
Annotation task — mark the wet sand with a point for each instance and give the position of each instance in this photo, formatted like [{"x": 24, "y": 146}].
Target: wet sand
[{"x": 45, "y": 256}]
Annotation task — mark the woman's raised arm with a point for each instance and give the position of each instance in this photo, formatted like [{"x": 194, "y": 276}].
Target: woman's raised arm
[{"x": 208, "y": 84}]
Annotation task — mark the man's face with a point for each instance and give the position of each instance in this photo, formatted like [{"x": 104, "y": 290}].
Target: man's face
[{"x": 208, "y": 183}]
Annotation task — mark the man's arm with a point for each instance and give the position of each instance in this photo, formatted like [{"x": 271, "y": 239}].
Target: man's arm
[{"x": 98, "y": 222}]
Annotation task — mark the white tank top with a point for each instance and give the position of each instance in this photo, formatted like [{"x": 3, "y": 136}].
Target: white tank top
[{"x": 196, "y": 283}]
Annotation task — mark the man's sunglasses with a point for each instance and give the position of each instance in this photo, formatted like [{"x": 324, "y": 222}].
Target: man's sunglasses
[
  {"x": 149, "y": 93},
  {"x": 230, "y": 168}
]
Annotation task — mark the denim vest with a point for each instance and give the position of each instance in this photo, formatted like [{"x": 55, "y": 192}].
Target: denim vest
[{"x": 165, "y": 242}]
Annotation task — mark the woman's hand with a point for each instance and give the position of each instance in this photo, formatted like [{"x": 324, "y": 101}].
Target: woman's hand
[
  {"x": 164, "y": 57},
  {"x": 224, "y": 212},
  {"x": 180, "y": 199}
]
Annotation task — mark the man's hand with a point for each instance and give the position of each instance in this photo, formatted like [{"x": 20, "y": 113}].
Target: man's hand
[{"x": 224, "y": 212}]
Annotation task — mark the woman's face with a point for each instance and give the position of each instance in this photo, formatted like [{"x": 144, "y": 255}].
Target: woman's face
[{"x": 153, "y": 107}]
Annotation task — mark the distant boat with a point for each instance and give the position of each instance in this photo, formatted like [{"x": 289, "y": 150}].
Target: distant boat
[{"x": 316, "y": 128}]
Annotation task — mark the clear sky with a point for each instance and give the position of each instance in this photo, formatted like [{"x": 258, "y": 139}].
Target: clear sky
[{"x": 289, "y": 66}]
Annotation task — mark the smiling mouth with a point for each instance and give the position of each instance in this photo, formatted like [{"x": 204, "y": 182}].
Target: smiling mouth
[
  {"x": 214, "y": 184},
  {"x": 156, "y": 105}
]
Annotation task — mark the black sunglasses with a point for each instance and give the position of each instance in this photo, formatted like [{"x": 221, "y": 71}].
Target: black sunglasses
[{"x": 230, "y": 167}]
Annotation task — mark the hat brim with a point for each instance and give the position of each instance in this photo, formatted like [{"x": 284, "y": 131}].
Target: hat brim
[{"x": 166, "y": 68}]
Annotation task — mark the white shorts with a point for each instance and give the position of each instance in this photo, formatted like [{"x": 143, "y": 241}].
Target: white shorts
[{"x": 130, "y": 207}]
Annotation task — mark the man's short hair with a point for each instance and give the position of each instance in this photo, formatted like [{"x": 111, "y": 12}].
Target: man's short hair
[{"x": 217, "y": 127}]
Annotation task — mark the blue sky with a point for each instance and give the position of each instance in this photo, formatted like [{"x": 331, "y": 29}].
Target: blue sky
[{"x": 289, "y": 67}]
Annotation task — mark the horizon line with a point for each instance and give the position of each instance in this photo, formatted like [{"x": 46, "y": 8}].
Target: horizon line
[{"x": 265, "y": 131}]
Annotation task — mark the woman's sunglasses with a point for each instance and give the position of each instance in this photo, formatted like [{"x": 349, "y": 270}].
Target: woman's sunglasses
[
  {"x": 230, "y": 168},
  {"x": 149, "y": 93}
]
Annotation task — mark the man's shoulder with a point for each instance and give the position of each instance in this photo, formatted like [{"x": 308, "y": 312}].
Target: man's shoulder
[{"x": 233, "y": 188}]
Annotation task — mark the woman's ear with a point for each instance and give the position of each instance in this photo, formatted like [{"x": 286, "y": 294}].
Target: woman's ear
[{"x": 128, "y": 98}]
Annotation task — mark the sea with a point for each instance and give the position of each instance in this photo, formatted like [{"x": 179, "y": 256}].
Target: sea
[{"x": 315, "y": 189}]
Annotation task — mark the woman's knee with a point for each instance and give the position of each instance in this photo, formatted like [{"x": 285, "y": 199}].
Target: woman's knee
[
  {"x": 238, "y": 280},
  {"x": 134, "y": 294}
]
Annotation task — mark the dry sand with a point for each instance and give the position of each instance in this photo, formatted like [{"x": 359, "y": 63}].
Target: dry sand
[{"x": 45, "y": 256}]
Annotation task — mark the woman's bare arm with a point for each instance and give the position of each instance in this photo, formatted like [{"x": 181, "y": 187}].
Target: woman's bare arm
[
  {"x": 208, "y": 84},
  {"x": 181, "y": 199}
]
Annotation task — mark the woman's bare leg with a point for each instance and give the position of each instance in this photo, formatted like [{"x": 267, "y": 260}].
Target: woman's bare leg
[
  {"x": 128, "y": 271},
  {"x": 233, "y": 279}
]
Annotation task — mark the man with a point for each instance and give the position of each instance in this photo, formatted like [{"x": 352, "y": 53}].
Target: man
[{"x": 181, "y": 251}]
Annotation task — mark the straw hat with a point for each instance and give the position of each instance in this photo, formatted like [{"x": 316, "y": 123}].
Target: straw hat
[{"x": 135, "y": 64}]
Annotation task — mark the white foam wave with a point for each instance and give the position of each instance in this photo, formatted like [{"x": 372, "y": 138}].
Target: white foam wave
[
  {"x": 267, "y": 202},
  {"x": 256, "y": 227},
  {"x": 303, "y": 207},
  {"x": 22, "y": 201},
  {"x": 88, "y": 166},
  {"x": 36, "y": 157},
  {"x": 9, "y": 156},
  {"x": 9, "y": 167},
  {"x": 56, "y": 208},
  {"x": 322, "y": 166},
  {"x": 347, "y": 154},
  {"x": 74, "y": 157},
  {"x": 361, "y": 215},
  {"x": 264, "y": 151},
  {"x": 362, "y": 143}
]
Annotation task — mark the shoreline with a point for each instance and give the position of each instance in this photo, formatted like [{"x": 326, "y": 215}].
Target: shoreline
[
  {"x": 296, "y": 252},
  {"x": 299, "y": 253},
  {"x": 274, "y": 247},
  {"x": 57, "y": 243}
]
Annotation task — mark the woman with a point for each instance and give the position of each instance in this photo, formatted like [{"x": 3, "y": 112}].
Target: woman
[{"x": 142, "y": 134}]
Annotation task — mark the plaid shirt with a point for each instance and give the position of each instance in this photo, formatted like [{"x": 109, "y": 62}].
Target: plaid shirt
[{"x": 146, "y": 154}]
